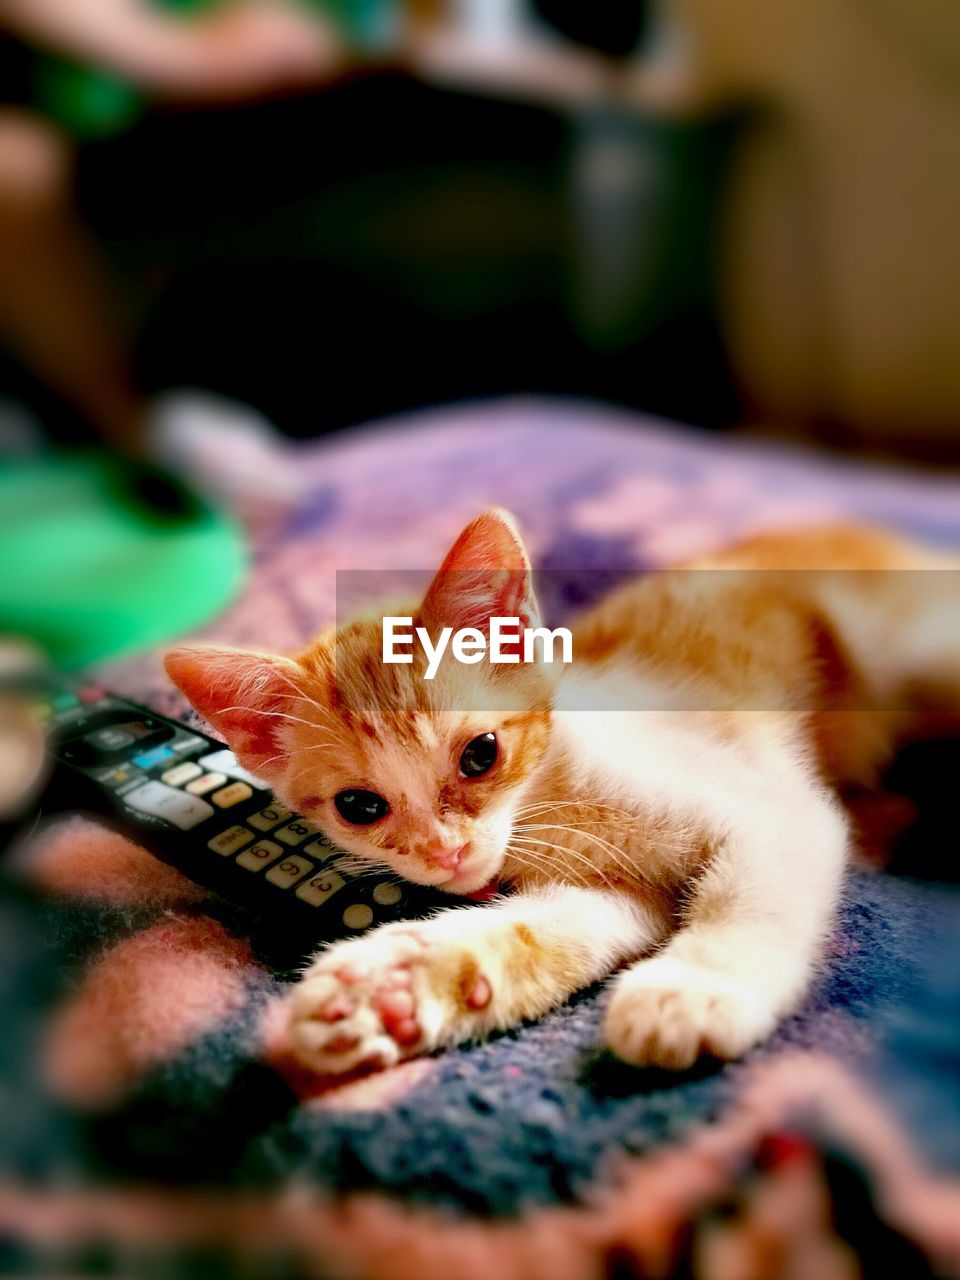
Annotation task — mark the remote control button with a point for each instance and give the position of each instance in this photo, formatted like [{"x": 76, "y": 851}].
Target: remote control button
[
  {"x": 179, "y": 745},
  {"x": 64, "y": 701},
  {"x": 147, "y": 759},
  {"x": 118, "y": 776},
  {"x": 260, "y": 855},
  {"x": 181, "y": 773},
  {"x": 226, "y": 762},
  {"x": 295, "y": 833},
  {"x": 208, "y": 782},
  {"x": 230, "y": 841},
  {"x": 91, "y": 693},
  {"x": 320, "y": 888},
  {"x": 387, "y": 895},
  {"x": 358, "y": 916},
  {"x": 110, "y": 739},
  {"x": 270, "y": 817},
  {"x": 234, "y": 794},
  {"x": 223, "y": 760},
  {"x": 174, "y": 806},
  {"x": 290, "y": 870},
  {"x": 320, "y": 850}
]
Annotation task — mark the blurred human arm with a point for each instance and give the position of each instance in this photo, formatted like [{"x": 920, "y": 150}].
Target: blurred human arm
[{"x": 234, "y": 52}]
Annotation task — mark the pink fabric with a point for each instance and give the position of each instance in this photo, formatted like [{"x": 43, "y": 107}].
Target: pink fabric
[
  {"x": 81, "y": 859},
  {"x": 141, "y": 1002}
]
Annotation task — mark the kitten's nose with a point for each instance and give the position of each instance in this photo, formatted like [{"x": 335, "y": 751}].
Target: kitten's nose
[{"x": 449, "y": 858}]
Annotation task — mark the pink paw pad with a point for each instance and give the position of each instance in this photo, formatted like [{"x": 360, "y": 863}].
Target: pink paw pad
[
  {"x": 480, "y": 994},
  {"x": 395, "y": 1004}
]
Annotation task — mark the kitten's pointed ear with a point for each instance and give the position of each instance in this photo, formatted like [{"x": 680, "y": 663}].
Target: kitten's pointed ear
[
  {"x": 242, "y": 695},
  {"x": 486, "y": 574}
]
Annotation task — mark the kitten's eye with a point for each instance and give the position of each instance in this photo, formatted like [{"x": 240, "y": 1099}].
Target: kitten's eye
[
  {"x": 479, "y": 756},
  {"x": 361, "y": 808}
]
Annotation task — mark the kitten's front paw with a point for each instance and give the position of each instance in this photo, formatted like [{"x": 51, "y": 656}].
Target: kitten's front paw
[
  {"x": 666, "y": 1013},
  {"x": 393, "y": 994}
]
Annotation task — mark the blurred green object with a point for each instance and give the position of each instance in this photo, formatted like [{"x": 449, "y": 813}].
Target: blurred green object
[
  {"x": 88, "y": 572},
  {"x": 368, "y": 24},
  {"x": 91, "y": 103},
  {"x": 88, "y": 102}
]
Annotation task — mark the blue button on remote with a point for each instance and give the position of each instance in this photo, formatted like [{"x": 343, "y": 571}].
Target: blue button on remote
[{"x": 149, "y": 758}]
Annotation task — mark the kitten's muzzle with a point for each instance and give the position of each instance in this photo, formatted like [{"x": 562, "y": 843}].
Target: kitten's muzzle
[{"x": 446, "y": 857}]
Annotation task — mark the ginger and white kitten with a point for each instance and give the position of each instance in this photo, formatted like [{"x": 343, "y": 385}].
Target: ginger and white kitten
[{"x": 668, "y": 806}]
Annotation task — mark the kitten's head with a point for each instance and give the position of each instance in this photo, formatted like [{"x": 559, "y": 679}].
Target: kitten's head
[{"x": 422, "y": 775}]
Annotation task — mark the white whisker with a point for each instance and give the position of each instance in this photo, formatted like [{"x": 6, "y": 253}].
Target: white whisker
[
  {"x": 572, "y": 853},
  {"x": 547, "y": 805},
  {"x": 616, "y": 855},
  {"x": 535, "y": 862}
]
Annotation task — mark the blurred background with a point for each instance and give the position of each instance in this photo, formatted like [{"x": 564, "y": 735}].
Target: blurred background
[{"x": 740, "y": 215}]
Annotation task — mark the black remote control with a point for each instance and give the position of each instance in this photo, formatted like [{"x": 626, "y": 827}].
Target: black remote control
[{"x": 184, "y": 797}]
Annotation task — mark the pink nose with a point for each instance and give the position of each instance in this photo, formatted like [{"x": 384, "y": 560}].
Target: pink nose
[{"x": 449, "y": 859}]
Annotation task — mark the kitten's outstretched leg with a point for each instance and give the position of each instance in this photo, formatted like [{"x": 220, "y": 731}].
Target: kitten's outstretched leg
[
  {"x": 406, "y": 989},
  {"x": 752, "y": 934}
]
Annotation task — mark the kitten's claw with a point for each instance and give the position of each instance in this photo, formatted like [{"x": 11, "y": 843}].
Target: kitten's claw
[
  {"x": 376, "y": 1000},
  {"x": 665, "y": 1013}
]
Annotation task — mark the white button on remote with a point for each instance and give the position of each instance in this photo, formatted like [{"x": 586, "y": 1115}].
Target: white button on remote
[
  {"x": 226, "y": 762},
  {"x": 387, "y": 895},
  {"x": 230, "y": 841},
  {"x": 260, "y": 855},
  {"x": 294, "y": 833},
  {"x": 174, "y": 806},
  {"x": 290, "y": 870},
  {"x": 320, "y": 850},
  {"x": 181, "y": 773},
  {"x": 233, "y": 794},
  {"x": 320, "y": 888},
  {"x": 206, "y": 782},
  {"x": 358, "y": 916},
  {"x": 270, "y": 817}
]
